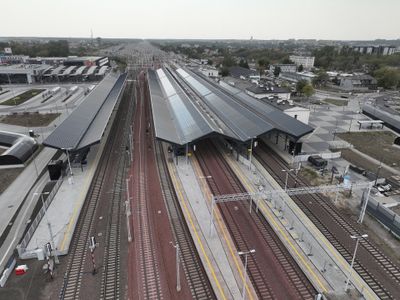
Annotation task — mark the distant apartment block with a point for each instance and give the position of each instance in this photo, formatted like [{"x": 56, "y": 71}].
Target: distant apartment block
[
  {"x": 290, "y": 68},
  {"x": 378, "y": 50},
  {"x": 306, "y": 61}
]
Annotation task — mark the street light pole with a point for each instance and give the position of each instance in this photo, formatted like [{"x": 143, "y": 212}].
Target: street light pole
[
  {"x": 357, "y": 238},
  {"x": 246, "y": 254}
]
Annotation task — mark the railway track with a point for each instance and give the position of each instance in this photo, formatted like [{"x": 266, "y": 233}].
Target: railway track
[
  {"x": 86, "y": 225},
  {"x": 110, "y": 281},
  {"x": 377, "y": 270},
  {"x": 148, "y": 263},
  {"x": 273, "y": 272},
  {"x": 199, "y": 284}
]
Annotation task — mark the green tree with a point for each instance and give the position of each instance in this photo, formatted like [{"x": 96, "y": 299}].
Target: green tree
[
  {"x": 388, "y": 77},
  {"x": 262, "y": 65},
  {"x": 321, "y": 79},
  {"x": 308, "y": 90},
  {"x": 243, "y": 63},
  {"x": 300, "y": 68},
  {"x": 224, "y": 72},
  {"x": 287, "y": 61},
  {"x": 300, "y": 85},
  {"x": 277, "y": 71},
  {"x": 209, "y": 62},
  {"x": 228, "y": 61}
]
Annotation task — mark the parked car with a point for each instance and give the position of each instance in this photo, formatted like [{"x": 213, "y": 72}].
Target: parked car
[{"x": 318, "y": 161}]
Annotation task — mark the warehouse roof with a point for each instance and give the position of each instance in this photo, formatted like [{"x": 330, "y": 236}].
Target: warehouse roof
[{"x": 86, "y": 124}]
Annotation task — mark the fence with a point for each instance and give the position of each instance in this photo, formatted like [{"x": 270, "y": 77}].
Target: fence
[
  {"x": 387, "y": 217},
  {"x": 325, "y": 155},
  {"x": 32, "y": 228}
]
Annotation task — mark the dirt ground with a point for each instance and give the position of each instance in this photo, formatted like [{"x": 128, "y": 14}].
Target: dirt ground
[
  {"x": 7, "y": 176},
  {"x": 377, "y": 144},
  {"x": 314, "y": 178},
  {"x": 29, "y": 120}
]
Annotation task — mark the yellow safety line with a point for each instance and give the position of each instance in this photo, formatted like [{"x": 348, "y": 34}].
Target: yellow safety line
[
  {"x": 182, "y": 199},
  {"x": 231, "y": 250},
  {"x": 328, "y": 245},
  {"x": 282, "y": 232}
]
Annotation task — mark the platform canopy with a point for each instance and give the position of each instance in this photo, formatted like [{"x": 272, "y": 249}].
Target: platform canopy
[
  {"x": 211, "y": 110},
  {"x": 86, "y": 124}
]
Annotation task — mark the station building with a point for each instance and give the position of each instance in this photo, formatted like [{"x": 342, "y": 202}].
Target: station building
[{"x": 213, "y": 110}]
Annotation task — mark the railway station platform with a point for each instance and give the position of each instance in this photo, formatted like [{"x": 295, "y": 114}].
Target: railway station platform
[
  {"x": 64, "y": 210},
  {"x": 216, "y": 250},
  {"x": 317, "y": 257}
]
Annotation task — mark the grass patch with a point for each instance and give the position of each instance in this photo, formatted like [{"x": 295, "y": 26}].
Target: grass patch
[
  {"x": 336, "y": 102},
  {"x": 29, "y": 120},
  {"x": 25, "y": 96},
  {"x": 363, "y": 163},
  {"x": 376, "y": 144},
  {"x": 7, "y": 176}
]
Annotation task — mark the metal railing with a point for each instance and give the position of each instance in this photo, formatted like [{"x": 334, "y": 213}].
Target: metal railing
[{"x": 35, "y": 223}]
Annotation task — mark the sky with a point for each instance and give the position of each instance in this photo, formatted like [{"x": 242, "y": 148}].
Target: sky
[{"x": 206, "y": 19}]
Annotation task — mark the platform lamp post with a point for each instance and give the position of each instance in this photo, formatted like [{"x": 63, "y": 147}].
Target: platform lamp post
[
  {"x": 246, "y": 254},
  {"x": 128, "y": 209},
  {"x": 56, "y": 260},
  {"x": 251, "y": 150},
  {"x": 67, "y": 151},
  {"x": 357, "y": 238},
  {"x": 287, "y": 176}
]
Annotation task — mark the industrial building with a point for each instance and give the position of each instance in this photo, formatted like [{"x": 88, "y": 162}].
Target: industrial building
[
  {"x": 262, "y": 91},
  {"x": 22, "y": 73}
]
